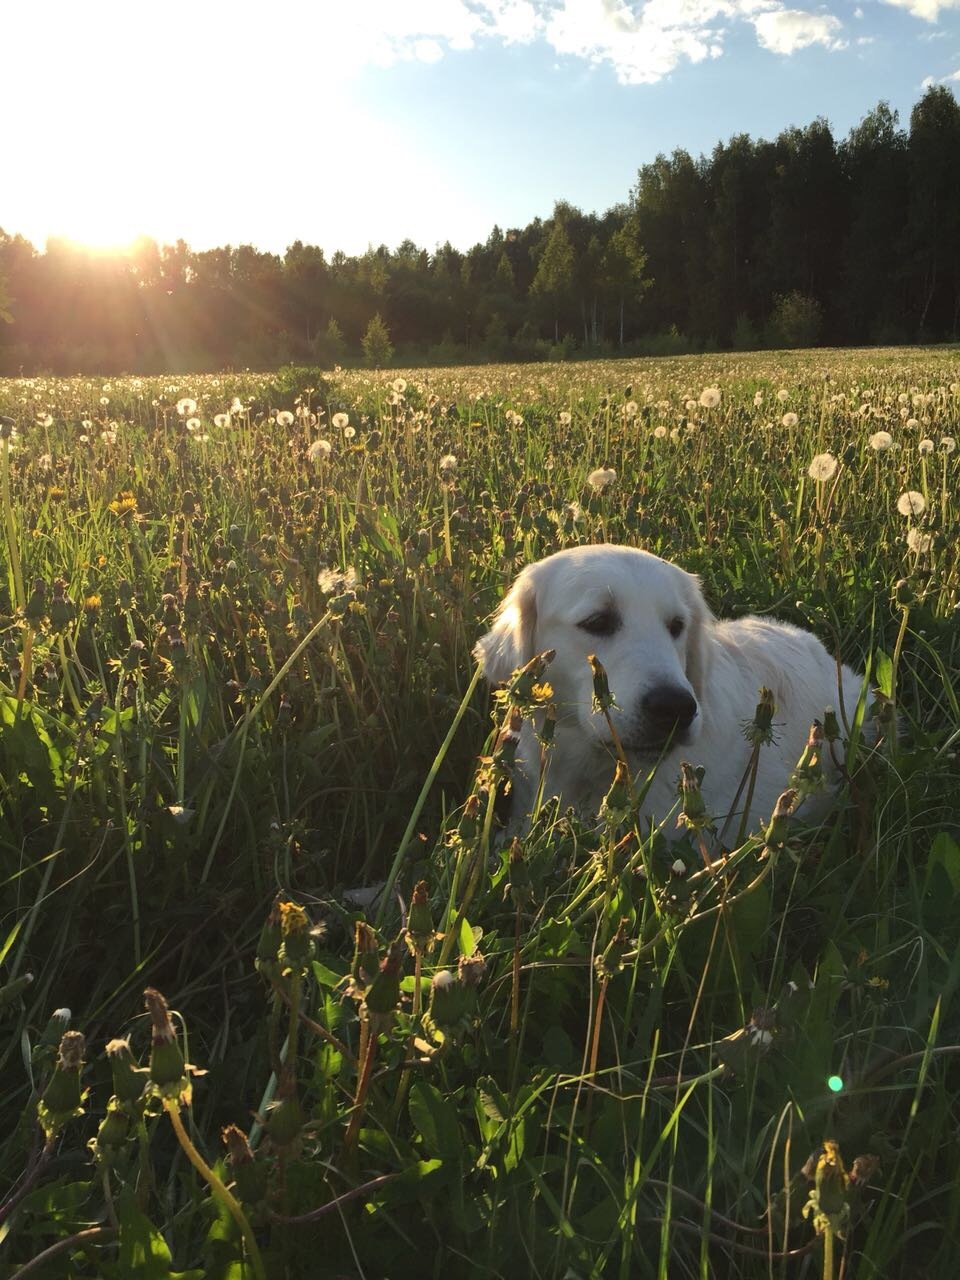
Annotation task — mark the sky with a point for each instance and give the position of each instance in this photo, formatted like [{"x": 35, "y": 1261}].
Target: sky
[{"x": 346, "y": 123}]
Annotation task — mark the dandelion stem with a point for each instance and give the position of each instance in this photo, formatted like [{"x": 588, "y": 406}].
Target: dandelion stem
[
  {"x": 10, "y": 524},
  {"x": 220, "y": 1192}
]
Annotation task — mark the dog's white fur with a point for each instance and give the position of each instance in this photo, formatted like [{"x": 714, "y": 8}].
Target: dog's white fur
[{"x": 722, "y": 664}]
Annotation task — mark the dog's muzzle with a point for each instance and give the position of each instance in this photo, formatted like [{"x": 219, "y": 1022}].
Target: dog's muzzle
[{"x": 664, "y": 714}]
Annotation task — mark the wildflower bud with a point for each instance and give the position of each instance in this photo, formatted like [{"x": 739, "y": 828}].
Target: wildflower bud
[
  {"x": 808, "y": 776},
  {"x": 62, "y": 609},
  {"x": 284, "y": 712},
  {"x": 167, "y": 1067},
  {"x": 15, "y": 989},
  {"x": 760, "y": 729},
  {"x": 131, "y": 660},
  {"x": 831, "y": 726},
  {"x": 113, "y": 1132},
  {"x": 171, "y": 611},
  {"x": 268, "y": 944},
  {"x": 125, "y": 596},
  {"x": 178, "y": 651},
  {"x": 128, "y": 1078},
  {"x": 693, "y": 810},
  {"x": 296, "y": 947},
  {"x": 508, "y": 740},
  {"x": 602, "y": 697},
  {"x": 7, "y": 427},
  {"x": 188, "y": 503},
  {"x": 53, "y": 1031},
  {"x": 863, "y": 1170},
  {"x": 616, "y": 803},
  {"x": 192, "y": 607},
  {"x": 383, "y": 995},
  {"x": 284, "y": 1122},
  {"x": 249, "y": 1177},
  {"x": 447, "y": 1006},
  {"x": 469, "y": 824},
  {"x": 831, "y": 1181},
  {"x": 903, "y": 593},
  {"x": 471, "y": 969},
  {"x": 231, "y": 574},
  {"x": 366, "y": 956},
  {"x": 548, "y": 728},
  {"x": 519, "y": 884},
  {"x": 520, "y": 690},
  {"x": 63, "y": 1096},
  {"x": 94, "y": 711},
  {"x": 760, "y": 1028},
  {"x": 780, "y": 818},
  {"x": 420, "y": 932},
  {"x": 35, "y": 609},
  {"x": 610, "y": 962}
]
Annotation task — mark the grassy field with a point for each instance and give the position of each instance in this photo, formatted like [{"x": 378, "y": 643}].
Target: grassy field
[{"x": 236, "y": 615}]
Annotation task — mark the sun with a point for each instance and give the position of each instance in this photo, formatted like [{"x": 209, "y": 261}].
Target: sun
[{"x": 98, "y": 229}]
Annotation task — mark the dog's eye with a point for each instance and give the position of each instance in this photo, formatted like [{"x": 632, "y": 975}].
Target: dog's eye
[
  {"x": 601, "y": 624},
  {"x": 675, "y": 626}
]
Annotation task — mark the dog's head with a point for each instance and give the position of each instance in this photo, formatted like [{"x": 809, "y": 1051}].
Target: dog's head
[{"x": 645, "y": 620}]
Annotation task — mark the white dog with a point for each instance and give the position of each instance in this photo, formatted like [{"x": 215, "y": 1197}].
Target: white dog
[{"x": 685, "y": 683}]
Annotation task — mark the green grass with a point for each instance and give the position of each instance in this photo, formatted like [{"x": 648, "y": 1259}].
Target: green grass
[{"x": 257, "y": 658}]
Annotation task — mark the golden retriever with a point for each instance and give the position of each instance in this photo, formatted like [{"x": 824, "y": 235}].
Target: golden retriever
[{"x": 685, "y": 684}]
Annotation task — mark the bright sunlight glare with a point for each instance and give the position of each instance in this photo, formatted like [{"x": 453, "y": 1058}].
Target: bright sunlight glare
[{"x": 203, "y": 122}]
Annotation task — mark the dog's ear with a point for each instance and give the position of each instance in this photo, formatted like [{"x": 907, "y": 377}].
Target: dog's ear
[
  {"x": 699, "y": 640},
  {"x": 509, "y": 642}
]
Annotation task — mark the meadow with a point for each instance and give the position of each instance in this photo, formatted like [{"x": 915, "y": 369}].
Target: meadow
[{"x": 236, "y": 617}]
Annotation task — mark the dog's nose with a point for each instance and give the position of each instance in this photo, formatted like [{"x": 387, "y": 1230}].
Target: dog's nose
[{"x": 669, "y": 706}]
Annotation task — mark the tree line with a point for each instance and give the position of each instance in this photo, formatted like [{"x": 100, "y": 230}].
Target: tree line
[{"x": 790, "y": 242}]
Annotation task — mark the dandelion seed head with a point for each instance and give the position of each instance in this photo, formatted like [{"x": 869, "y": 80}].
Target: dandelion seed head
[
  {"x": 925, "y": 445},
  {"x": 710, "y": 397},
  {"x": 822, "y": 467},
  {"x": 918, "y": 541},
  {"x": 911, "y": 503},
  {"x": 340, "y": 421},
  {"x": 880, "y": 441},
  {"x": 789, "y": 419},
  {"x": 601, "y": 477}
]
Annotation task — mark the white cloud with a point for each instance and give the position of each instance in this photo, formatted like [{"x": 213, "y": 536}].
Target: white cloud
[
  {"x": 643, "y": 42},
  {"x": 928, "y": 10},
  {"x": 787, "y": 30}
]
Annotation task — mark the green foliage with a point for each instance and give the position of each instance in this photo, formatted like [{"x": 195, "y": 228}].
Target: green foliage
[
  {"x": 745, "y": 335},
  {"x": 377, "y": 347},
  {"x": 796, "y": 321},
  {"x": 237, "y": 668}
]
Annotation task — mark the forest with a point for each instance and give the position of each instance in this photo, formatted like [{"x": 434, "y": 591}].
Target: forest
[{"x": 799, "y": 241}]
